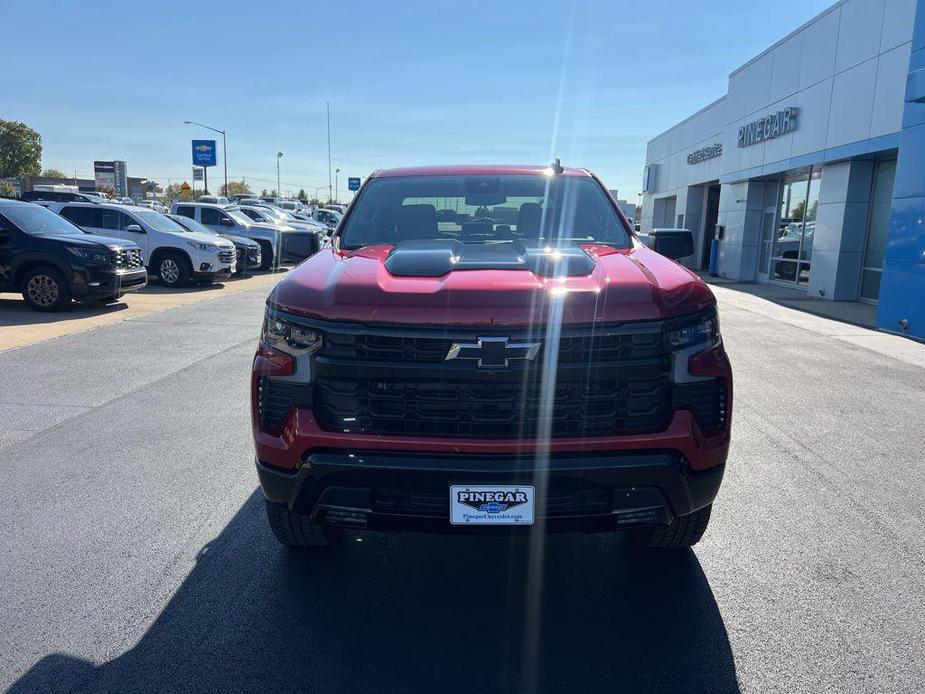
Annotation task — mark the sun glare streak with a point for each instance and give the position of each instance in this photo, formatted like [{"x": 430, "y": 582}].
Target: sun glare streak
[{"x": 555, "y": 309}]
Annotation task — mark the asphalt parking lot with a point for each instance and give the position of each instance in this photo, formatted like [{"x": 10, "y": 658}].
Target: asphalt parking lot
[
  {"x": 136, "y": 556},
  {"x": 21, "y": 325}
]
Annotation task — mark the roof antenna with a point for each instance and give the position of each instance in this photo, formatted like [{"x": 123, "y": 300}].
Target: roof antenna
[{"x": 556, "y": 166}]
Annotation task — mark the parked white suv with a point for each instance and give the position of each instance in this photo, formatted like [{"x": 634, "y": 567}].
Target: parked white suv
[
  {"x": 170, "y": 252},
  {"x": 290, "y": 205},
  {"x": 277, "y": 242}
]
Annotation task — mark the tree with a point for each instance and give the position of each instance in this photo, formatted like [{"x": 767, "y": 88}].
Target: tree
[
  {"x": 20, "y": 150},
  {"x": 264, "y": 193},
  {"x": 6, "y": 190},
  {"x": 54, "y": 173},
  {"x": 235, "y": 188},
  {"x": 303, "y": 198},
  {"x": 109, "y": 190},
  {"x": 176, "y": 191}
]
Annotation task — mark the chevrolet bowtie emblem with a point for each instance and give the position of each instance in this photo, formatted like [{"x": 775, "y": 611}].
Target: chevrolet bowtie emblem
[{"x": 494, "y": 352}]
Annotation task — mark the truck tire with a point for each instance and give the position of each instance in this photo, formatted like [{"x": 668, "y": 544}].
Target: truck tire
[
  {"x": 173, "y": 269},
  {"x": 266, "y": 256},
  {"x": 295, "y": 529},
  {"x": 684, "y": 531},
  {"x": 45, "y": 289}
]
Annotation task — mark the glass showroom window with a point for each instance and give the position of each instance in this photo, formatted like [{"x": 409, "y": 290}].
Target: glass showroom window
[
  {"x": 881, "y": 203},
  {"x": 792, "y": 250}
]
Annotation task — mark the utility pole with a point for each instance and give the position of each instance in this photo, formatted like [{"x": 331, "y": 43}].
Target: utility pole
[
  {"x": 328, "y": 105},
  {"x": 279, "y": 195}
]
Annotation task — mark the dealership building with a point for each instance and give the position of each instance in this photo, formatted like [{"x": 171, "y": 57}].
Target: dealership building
[{"x": 811, "y": 169}]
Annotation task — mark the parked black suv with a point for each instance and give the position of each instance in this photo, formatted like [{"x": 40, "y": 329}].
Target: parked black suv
[{"x": 51, "y": 261}]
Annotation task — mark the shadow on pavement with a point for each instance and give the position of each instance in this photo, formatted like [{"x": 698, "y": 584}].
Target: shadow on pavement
[
  {"x": 15, "y": 311},
  {"x": 392, "y": 613}
]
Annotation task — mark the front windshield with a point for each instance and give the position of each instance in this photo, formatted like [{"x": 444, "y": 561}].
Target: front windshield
[
  {"x": 273, "y": 213},
  {"x": 484, "y": 209},
  {"x": 36, "y": 220},
  {"x": 192, "y": 225},
  {"x": 239, "y": 217},
  {"x": 158, "y": 221}
]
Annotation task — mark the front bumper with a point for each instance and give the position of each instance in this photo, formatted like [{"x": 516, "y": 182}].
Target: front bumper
[
  {"x": 632, "y": 480},
  {"x": 107, "y": 281},
  {"x": 301, "y": 436},
  {"x": 298, "y": 245},
  {"x": 410, "y": 491},
  {"x": 247, "y": 259},
  {"x": 223, "y": 272}
]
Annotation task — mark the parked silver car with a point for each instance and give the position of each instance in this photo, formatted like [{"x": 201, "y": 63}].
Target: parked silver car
[
  {"x": 268, "y": 214},
  {"x": 278, "y": 243}
]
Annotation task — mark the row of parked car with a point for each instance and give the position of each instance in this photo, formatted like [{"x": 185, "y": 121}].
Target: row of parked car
[{"x": 55, "y": 251}]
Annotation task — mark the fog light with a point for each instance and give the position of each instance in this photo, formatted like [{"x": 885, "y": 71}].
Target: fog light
[{"x": 205, "y": 267}]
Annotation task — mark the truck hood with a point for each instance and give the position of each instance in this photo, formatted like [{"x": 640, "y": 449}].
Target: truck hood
[
  {"x": 447, "y": 283},
  {"x": 92, "y": 241},
  {"x": 271, "y": 228},
  {"x": 241, "y": 240},
  {"x": 304, "y": 226}
]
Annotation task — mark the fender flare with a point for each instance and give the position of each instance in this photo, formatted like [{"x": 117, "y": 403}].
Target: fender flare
[
  {"x": 37, "y": 258},
  {"x": 168, "y": 249}
]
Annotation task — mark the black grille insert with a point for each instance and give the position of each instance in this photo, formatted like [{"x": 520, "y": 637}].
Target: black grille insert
[
  {"x": 596, "y": 404},
  {"x": 707, "y": 400},
  {"x": 275, "y": 398},
  {"x": 434, "y": 349}
]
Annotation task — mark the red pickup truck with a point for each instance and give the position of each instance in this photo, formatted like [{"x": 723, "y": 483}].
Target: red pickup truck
[{"x": 491, "y": 348}]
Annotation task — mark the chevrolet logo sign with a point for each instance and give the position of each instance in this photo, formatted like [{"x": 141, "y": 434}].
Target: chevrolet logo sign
[{"x": 494, "y": 352}]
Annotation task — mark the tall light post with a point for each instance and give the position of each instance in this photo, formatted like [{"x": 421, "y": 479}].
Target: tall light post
[
  {"x": 328, "y": 106},
  {"x": 279, "y": 195},
  {"x": 336, "y": 184},
  {"x": 224, "y": 147}
]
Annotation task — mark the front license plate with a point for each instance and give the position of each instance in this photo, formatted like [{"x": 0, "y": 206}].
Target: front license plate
[{"x": 473, "y": 504}]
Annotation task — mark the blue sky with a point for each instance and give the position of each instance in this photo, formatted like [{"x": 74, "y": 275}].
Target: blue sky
[{"x": 409, "y": 82}]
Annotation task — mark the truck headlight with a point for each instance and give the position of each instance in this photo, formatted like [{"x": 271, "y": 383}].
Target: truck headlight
[
  {"x": 291, "y": 338},
  {"x": 94, "y": 257},
  {"x": 202, "y": 246},
  {"x": 702, "y": 329}
]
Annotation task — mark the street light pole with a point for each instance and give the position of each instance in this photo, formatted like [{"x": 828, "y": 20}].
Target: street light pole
[
  {"x": 336, "y": 184},
  {"x": 279, "y": 155},
  {"x": 328, "y": 105},
  {"x": 224, "y": 149}
]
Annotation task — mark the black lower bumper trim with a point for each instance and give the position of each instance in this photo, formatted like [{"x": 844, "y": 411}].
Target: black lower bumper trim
[{"x": 411, "y": 491}]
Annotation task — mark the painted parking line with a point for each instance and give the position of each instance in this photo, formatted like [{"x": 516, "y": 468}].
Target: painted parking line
[{"x": 20, "y": 325}]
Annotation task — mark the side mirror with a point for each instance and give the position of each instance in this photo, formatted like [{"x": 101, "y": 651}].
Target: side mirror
[
  {"x": 673, "y": 243},
  {"x": 225, "y": 222},
  {"x": 135, "y": 229},
  {"x": 637, "y": 227}
]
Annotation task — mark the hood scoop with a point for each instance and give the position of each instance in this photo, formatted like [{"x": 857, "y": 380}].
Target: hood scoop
[{"x": 437, "y": 257}]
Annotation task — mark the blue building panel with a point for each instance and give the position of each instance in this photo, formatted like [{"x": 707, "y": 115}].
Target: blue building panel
[{"x": 902, "y": 287}]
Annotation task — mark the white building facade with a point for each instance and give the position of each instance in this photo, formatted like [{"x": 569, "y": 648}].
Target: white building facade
[{"x": 793, "y": 169}]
